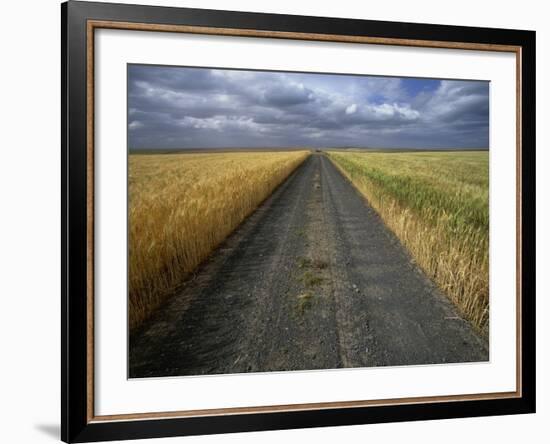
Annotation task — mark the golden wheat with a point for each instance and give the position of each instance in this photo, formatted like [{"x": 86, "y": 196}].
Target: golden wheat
[
  {"x": 181, "y": 206},
  {"x": 437, "y": 203}
]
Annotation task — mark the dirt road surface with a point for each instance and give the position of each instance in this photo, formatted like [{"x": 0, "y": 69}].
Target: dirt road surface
[{"x": 312, "y": 280}]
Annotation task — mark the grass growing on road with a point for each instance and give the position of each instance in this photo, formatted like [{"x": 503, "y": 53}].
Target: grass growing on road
[
  {"x": 437, "y": 203},
  {"x": 181, "y": 206},
  {"x": 305, "y": 301}
]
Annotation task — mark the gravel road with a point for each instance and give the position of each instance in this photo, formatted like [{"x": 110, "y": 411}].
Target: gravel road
[{"x": 313, "y": 279}]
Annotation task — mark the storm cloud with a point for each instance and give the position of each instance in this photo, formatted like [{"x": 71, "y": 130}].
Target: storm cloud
[{"x": 177, "y": 107}]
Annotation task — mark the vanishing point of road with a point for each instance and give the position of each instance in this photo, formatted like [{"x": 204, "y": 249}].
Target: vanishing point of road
[{"x": 313, "y": 279}]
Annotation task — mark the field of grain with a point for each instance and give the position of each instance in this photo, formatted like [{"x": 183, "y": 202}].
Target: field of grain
[
  {"x": 437, "y": 203},
  {"x": 181, "y": 206}
]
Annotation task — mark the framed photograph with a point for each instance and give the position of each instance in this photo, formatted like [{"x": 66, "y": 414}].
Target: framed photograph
[{"x": 275, "y": 221}]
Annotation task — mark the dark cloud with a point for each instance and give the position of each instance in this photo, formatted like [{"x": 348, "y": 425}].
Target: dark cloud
[
  {"x": 171, "y": 107},
  {"x": 287, "y": 94}
]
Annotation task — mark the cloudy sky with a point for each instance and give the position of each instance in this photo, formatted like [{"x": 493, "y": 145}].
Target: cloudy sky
[{"x": 173, "y": 107}]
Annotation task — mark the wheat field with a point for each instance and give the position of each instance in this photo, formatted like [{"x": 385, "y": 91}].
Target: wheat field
[
  {"x": 437, "y": 203},
  {"x": 182, "y": 206}
]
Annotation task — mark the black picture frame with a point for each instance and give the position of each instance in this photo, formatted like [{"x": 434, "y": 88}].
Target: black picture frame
[{"x": 76, "y": 423}]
